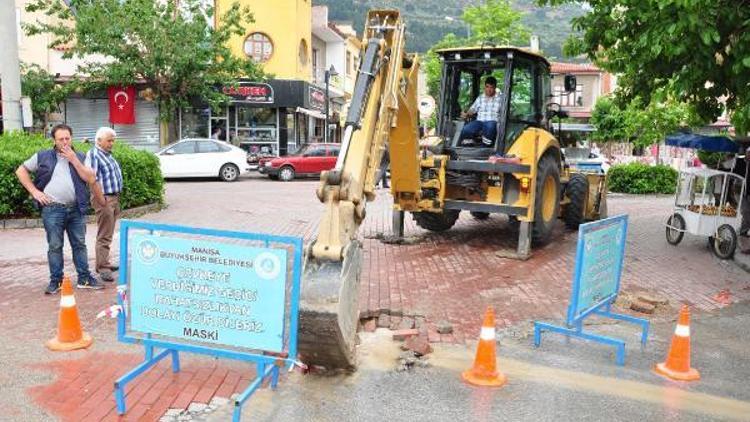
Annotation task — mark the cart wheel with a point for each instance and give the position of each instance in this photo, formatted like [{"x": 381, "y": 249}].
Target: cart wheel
[
  {"x": 675, "y": 229},
  {"x": 725, "y": 241}
]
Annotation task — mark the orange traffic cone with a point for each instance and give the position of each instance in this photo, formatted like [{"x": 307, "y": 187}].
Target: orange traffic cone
[
  {"x": 677, "y": 365},
  {"x": 484, "y": 371},
  {"x": 70, "y": 336}
]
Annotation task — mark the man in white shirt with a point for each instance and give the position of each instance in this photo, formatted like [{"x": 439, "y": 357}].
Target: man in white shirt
[{"x": 487, "y": 109}]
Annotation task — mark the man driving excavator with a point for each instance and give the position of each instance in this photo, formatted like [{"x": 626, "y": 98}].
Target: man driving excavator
[{"x": 487, "y": 108}]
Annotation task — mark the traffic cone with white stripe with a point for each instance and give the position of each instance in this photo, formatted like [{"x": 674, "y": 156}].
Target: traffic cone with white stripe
[
  {"x": 677, "y": 365},
  {"x": 484, "y": 371},
  {"x": 70, "y": 336}
]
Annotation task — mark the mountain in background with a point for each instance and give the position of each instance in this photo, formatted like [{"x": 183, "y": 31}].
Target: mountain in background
[{"x": 426, "y": 20}]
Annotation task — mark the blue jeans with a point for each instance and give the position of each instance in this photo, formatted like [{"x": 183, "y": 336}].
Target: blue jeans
[
  {"x": 59, "y": 219},
  {"x": 487, "y": 128}
]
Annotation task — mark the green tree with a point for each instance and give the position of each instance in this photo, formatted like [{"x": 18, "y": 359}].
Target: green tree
[
  {"x": 167, "y": 45},
  {"x": 609, "y": 121},
  {"x": 699, "y": 50},
  {"x": 46, "y": 95},
  {"x": 493, "y": 22},
  {"x": 649, "y": 124}
]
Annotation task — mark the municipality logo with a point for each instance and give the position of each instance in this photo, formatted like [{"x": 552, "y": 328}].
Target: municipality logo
[
  {"x": 148, "y": 252},
  {"x": 267, "y": 266}
]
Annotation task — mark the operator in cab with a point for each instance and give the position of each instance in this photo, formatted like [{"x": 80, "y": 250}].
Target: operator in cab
[{"x": 487, "y": 109}]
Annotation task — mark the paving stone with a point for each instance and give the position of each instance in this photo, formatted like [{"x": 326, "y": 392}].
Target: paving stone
[
  {"x": 444, "y": 327},
  {"x": 406, "y": 323},
  {"x": 370, "y": 325},
  {"x": 404, "y": 334},
  {"x": 418, "y": 344},
  {"x": 384, "y": 321},
  {"x": 653, "y": 298},
  {"x": 642, "y": 307}
]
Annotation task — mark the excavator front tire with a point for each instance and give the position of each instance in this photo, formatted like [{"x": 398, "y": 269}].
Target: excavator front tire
[
  {"x": 547, "y": 201},
  {"x": 436, "y": 221}
]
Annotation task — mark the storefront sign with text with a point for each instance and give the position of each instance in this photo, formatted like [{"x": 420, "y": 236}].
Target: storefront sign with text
[
  {"x": 317, "y": 98},
  {"x": 250, "y": 92}
]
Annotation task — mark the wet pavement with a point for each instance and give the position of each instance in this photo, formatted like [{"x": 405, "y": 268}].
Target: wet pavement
[{"x": 561, "y": 380}]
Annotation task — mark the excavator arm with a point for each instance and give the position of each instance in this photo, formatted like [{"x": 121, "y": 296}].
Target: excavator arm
[{"x": 382, "y": 113}]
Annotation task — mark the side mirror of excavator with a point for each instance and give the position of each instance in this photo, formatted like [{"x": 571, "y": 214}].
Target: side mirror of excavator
[{"x": 570, "y": 83}]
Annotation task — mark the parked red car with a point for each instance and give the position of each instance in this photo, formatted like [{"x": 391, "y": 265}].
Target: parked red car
[{"x": 309, "y": 160}]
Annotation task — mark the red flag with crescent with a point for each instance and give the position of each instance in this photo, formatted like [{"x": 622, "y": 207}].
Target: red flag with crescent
[{"x": 121, "y": 105}]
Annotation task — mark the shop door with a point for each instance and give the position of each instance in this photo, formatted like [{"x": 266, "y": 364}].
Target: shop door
[{"x": 219, "y": 125}]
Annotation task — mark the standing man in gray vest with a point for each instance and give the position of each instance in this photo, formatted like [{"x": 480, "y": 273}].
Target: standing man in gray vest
[
  {"x": 60, "y": 188},
  {"x": 106, "y": 197}
]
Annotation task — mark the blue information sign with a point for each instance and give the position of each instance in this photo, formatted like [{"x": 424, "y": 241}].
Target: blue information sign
[
  {"x": 208, "y": 291},
  {"x": 601, "y": 249},
  {"x": 596, "y": 283},
  {"x": 214, "y": 292}
]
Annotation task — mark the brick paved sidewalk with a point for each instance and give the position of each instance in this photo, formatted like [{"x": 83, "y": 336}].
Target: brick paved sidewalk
[{"x": 451, "y": 276}]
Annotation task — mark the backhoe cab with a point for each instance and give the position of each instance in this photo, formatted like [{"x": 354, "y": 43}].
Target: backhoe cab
[{"x": 521, "y": 172}]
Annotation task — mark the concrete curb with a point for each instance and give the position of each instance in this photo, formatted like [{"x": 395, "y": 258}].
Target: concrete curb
[{"x": 35, "y": 223}]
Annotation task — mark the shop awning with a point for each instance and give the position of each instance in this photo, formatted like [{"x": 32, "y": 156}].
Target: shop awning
[
  {"x": 313, "y": 113},
  {"x": 707, "y": 143}
]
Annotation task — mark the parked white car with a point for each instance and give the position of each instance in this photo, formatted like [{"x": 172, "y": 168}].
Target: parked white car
[{"x": 203, "y": 158}]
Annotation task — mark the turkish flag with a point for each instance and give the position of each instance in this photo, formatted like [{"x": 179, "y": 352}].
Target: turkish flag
[{"x": 121, "y": 105}]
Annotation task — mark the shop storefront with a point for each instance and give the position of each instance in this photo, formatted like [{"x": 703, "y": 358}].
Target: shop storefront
[
  {"x": 86, "y": 115},
  {"x": 274, "y": 117}
]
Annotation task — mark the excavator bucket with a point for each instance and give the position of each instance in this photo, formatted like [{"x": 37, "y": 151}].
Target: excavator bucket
[{"x": 328, "y": 310}]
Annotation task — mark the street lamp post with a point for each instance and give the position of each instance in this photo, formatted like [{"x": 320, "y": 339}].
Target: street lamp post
[{"x": 328, "y": 73}]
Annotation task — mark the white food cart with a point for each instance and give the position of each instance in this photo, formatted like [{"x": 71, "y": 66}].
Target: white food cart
[{"x": 707, "y": 203}]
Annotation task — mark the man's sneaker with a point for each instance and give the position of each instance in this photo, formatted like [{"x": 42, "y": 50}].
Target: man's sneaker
[
  {"x": 90, "y": 283},
  {"x": 107, "y": 276},
  {"x": 54, "y": 287}
]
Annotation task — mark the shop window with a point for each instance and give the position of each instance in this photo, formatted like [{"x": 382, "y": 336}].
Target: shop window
[
  {"x": 258, "y": 46},
  {"x": 255, "y": 124},
  {"x": 194, "y": 122}
]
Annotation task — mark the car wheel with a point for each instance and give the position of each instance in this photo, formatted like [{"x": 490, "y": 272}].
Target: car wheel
[
  {"x": 229, "y": 172},
  {"x": 286, "y": 174}
]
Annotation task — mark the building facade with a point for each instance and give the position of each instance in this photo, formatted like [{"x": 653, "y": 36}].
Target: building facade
[
  {"x": 591, "y": 81},
  {"x": 297, "y": 45}
]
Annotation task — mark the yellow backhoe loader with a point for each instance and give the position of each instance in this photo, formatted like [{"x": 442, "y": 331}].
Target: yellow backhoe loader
[{"x": 521, "y": 173}]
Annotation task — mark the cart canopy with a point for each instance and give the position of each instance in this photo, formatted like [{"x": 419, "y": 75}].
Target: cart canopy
[{"x": 706, "y": 143}]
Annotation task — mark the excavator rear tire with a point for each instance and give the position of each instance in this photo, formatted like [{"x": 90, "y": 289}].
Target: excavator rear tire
[
  {"x": 436, "y": 221},
  {"x": 577, "y": 190},
  {"x": 547, "y": 201}
]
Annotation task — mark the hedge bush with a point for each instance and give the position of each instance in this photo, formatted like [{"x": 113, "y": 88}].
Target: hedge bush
[
  {"x": 143, "y": 182},
  {"x": 641, "y": 178}
]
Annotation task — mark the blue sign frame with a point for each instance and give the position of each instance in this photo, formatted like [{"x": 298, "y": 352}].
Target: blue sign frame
[
  {"x": 267, "y": 365},
  {"x": 600, "y": 255}
]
